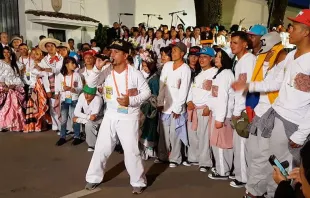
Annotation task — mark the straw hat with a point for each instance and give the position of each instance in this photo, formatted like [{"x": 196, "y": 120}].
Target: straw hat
[
  {"x": 44, "y": 41},
  {"x": 63, "y": 45}
]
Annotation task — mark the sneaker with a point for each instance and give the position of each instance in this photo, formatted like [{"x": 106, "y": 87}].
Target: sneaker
[
  {"x": 91, "y": 186},
  {"x": 90, "y": 149},
  {"x": 137, "y": 190},
  {"x": 213, "y": 170},
  {"x": 173, "y": 165},
  {"x": 186, "y": 163},
  {"x": 237, "y": 184},
  {"x": 216, "y": 176},
  {"x": 61, "y": 142},
  {"x": 76, "y": 141},
  {"x": 204, "y": 169},
  {"x": 232, "y": 176}
]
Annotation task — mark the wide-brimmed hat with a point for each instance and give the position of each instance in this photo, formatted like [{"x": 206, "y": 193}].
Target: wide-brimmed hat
[{"x": 44, "y": 41}]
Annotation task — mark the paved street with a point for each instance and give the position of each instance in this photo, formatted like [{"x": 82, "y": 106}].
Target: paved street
[{"x": 31, "y": 166}]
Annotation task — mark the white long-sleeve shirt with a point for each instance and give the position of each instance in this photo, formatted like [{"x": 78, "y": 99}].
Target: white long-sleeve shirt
[
  {"x": 276, "y": 73},
  {"x": 200, "y": 90},
  {"x": 55, "y": 66},
  {"x": 174, "y": 88},
  {"x": 83, "y": 110},
  {"x": 293, "y": 102},
  {"x": 73, "y": 82},
  {"x": 243, "y": 71},
  {"x": 8, "y": 76},
  {"x": 136, "y": 82},
  {"x": 157, "y": 44},
  {"x": 223, "y": 95},
  {"x": 189, "y": 42}
]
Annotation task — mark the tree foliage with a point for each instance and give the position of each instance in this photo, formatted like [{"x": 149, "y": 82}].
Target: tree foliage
[
  {"x": 278, "y": 11},
  {"x": 101, "y": 35},
  {"x": 208, "y": 12}
]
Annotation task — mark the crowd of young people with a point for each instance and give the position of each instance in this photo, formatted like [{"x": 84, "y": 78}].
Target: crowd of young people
[{"x": 194, "y": 97}]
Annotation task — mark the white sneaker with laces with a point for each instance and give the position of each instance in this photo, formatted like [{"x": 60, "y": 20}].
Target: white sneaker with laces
[
  {"x": 90, "y": 149},
  {"x": 186, "y": 163}
]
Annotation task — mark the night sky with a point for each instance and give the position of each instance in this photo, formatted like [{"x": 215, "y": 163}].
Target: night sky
[{"x": 300, "y": 3}]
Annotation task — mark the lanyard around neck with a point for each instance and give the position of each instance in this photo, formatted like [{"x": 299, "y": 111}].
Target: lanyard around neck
[
  {"x": 71, "y": 80},
  {"x": 116, "y": 87}
]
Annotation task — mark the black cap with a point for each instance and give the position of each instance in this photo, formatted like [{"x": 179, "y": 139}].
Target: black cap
[
  {"x": 194, "y": 50},
  {"x": 121, "y": 45}
]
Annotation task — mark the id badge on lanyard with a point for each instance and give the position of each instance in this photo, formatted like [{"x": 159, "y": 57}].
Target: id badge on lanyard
[
  {"x": 68, "y": 98},
  {"x": 120, "y": 108}
]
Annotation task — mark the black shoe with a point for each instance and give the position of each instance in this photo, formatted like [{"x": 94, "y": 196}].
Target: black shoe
[
  {"x": 61, "y": 142},
  {"x": 237, "y": 184},
  {"x": 216, "y": 176},
  {"x": 76, "y": 141},
  {"x": 204, "y": 169}
]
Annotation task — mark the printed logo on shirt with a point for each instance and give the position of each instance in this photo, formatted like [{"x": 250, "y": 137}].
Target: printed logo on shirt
[
  {"x": 207, "y": 85},
  {"x": 302, "y": 82},
  {"x": 108, "y": 92},
  {"x": 215, "y": 90},
  {"x": 243, "y": 77}
]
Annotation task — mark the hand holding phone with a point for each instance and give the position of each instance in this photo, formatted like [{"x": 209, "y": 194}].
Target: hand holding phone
[{"x": 275, "y": 162}]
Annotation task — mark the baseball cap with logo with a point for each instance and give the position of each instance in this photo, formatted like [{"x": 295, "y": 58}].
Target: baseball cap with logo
[
  {"x": 207, "y": 51},
  {"x": 121, "y": 45},
  {"x": 268, "y": 41},
  {"x": 258, "y": 30},
  {"x": 302, "y": 17},
  {"x": 194, "y": 50},
  {"x": 181, "y": 46}
]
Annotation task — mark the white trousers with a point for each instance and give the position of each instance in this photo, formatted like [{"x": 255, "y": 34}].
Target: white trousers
[
  {"x": 127, "y": 132},
  {"x": 240, "y": 160},
  {"x": 55, "y": 120}
]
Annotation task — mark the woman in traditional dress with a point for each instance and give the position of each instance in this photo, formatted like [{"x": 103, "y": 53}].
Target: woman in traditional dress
[
  {"x": 37, "y": 104},
  {"x": 149, "y": 137},
  {"x": 11, "y": 114}
]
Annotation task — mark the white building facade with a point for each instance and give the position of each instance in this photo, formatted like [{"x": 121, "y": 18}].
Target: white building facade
[{"x": 107, "y": 12}]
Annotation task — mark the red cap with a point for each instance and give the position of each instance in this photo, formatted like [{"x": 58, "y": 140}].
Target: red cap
[
  {"x": 302, "y": 17},
  {"x": 90, "y": 52}
]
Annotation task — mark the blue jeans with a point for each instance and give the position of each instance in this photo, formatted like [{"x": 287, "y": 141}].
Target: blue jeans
[{"x": 66, "y": 111}]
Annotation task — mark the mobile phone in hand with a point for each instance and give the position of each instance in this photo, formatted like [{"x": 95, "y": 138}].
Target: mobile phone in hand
[{"x": 275, "y": 162}]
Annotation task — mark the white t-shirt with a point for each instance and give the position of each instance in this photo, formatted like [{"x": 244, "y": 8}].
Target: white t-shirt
[{"x": 174, "y": 87}]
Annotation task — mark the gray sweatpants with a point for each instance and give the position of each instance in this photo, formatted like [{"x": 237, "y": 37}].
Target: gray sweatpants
[
  {"x": 240, "y": 160},
  {"x": 199, "y": 144},
  {"x": 91, "y": 130},
  {"x": 258, "y": 155},
  {"x": 169, "y": 144},
  {"x": 278, "y": 147}
]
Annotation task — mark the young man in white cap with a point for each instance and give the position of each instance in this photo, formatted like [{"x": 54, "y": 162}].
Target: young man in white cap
[
  {"x": 50, "y": 65},
  {"x": 198, "y": 108},
  {"x": 243, "y": 71},
  {"x": 89, "y": 111},
  {"x": 286, "y": 123},
  {"x": 174, "y": 87},
  {"x": 125, "y": 89},
  {"x": 269, "y": 66}
]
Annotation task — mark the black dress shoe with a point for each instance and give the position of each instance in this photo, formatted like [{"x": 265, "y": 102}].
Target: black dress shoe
[
  {"x": 61, "y": 142},
  {"x": 76, "y": 141}
]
